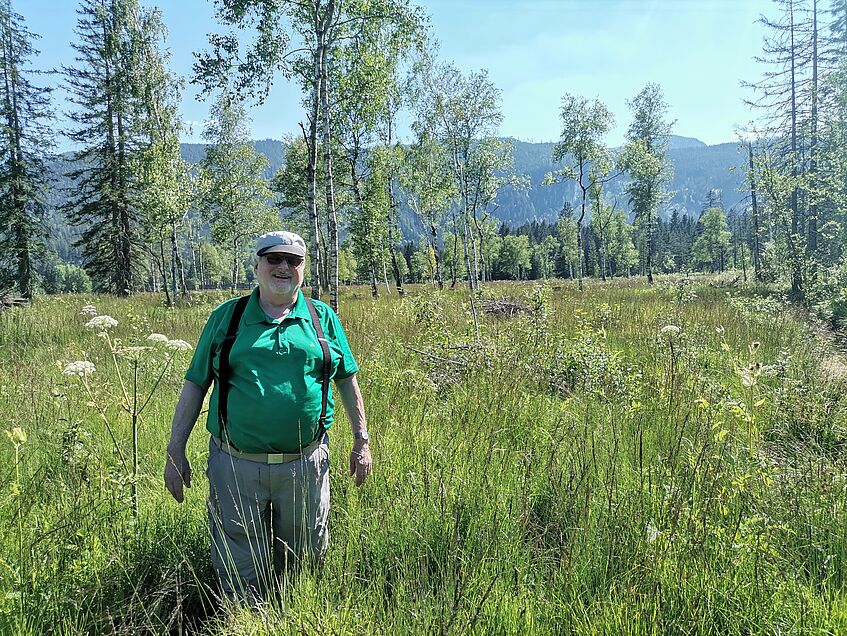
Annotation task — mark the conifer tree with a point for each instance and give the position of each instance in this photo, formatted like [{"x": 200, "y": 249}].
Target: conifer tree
[
  {"x": 103, "y": 86},
  {"x": 24, "y": 112}
]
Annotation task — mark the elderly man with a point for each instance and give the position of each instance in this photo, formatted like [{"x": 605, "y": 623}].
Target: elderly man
[{"x": 272, "y": 355}]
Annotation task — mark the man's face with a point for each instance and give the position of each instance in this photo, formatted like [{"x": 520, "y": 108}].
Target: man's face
[{"x": 279, "y": 273}]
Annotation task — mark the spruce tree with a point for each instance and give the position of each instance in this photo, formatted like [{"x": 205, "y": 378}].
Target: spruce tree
[
  {"x": 103, "y": 86},
  {"x": 24, "y": 111}
]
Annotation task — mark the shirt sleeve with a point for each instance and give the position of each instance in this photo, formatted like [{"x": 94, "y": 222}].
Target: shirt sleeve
[
  {"x": 201, "y": 371},
  {"x": 335, "y": 332}
]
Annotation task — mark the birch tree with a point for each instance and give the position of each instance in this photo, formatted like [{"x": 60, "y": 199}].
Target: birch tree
[
  {"x": 644, "y": 160},
  {"x": 585, "y": 123},
  {"x": 235, "y": 195}
]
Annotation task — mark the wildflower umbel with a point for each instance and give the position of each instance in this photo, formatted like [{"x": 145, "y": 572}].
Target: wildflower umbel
[
  {"x": 88, "y": 310},
  {"x": 158, "y": 337},
  {"x": 652, "y": 532},
  {"x": 17, "y": 436},
  {"x": 178, "y": 345},
  {"x": 79, "y": 368},
  {"x": 669, "y": 330},
  {"x": 101, "y": 322}
]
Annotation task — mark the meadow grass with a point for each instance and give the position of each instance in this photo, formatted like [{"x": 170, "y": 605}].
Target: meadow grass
[{"x": 629, "y": 460}]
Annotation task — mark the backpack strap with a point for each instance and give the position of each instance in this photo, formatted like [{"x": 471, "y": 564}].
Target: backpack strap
[
  {"x": 223, "y": 365},
  {"x": 327, "y": 364}
]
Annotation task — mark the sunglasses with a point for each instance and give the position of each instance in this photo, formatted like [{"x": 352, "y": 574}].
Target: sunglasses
[{"x": 277, "y": 259}]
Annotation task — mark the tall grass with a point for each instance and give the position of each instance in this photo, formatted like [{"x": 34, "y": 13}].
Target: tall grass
[{"x": 626, "y": 460}]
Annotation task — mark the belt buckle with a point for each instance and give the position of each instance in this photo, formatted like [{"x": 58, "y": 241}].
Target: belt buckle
[{"x": 276, "y": 458}]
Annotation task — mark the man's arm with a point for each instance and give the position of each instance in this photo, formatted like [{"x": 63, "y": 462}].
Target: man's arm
[
  {"x": 177, "y": 468},
  {"x": 354, "y": 406}
]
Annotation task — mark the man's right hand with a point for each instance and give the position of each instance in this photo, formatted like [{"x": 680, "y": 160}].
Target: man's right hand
[{"x": 177, "y": 473}]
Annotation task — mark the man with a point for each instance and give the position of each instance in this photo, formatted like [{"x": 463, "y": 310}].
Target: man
[{"x": 268, "y": 417}]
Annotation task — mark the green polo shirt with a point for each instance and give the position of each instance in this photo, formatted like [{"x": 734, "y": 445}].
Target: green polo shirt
[{"x": 274, "y": 401}]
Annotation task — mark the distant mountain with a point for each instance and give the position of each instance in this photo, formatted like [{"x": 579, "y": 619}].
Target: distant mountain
[
  {"x": 698, "y": 169},
  {"x": 676, "y": 142}
]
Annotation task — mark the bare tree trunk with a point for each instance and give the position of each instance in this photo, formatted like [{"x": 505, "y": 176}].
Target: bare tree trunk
[
  {"x": 385, "y": 277},
  {"x": 466, "y": 250},
  {"x": 812, "y": 228},
  {"x": 164, "y": 275},
  {"x": 602, "y": 259},
  {"x": 234, "y": 265},
  {"x": 757, "y": 239},
  {"x": 796, "y": 276},
  {"x": 392, "y": 215},
  {"x": 374, "y": 287},
  {"x": 434, "y": 245},
  {"x": 311, "y": 139},
  {"x": 332, "y": 218},
  {"x": 174, "y": 258}
]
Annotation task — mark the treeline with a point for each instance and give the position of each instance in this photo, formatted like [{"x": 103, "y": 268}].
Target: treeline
[
  {"x": 537, "y": 250},
  {"x": 150, "y": 220}
]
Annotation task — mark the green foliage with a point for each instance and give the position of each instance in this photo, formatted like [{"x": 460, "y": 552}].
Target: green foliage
[
  {"x": 644, "y": 159},
  {"x": 711, "y": 246},
  {"x": 64, "y": 278},
  {"x": 108, "y": 90},
  {"x": 515, "y": 256},
  {"x": 234, "y": 193},
  {"x": 25, "y": 113},
  {"x": 553, "y": 461}
]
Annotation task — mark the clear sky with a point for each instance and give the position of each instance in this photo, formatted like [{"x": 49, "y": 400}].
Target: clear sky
[{"x": 534, "y": 51}]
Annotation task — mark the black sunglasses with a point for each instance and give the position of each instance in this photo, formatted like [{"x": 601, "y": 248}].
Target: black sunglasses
[{"x": 277, "y": 259}]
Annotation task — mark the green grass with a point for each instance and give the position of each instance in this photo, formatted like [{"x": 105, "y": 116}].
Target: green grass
[{"x": 572, "y": 469}]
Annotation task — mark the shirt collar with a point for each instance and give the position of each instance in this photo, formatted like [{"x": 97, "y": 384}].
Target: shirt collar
[{"x": 254, "y": 314}]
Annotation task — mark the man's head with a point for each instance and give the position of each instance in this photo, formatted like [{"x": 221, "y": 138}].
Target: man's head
[{"x": 278, "y": 262}]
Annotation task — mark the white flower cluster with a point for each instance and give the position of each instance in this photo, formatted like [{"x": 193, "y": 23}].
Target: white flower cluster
[
  {"x": 17, "y": 436},
  {"x": 88, "y": 310},
  {"x": 158, "y": 337},
  {"x": 669, "y": 330},
  {"x": 101, "y": 322},
  {"x": 652, "y": 531},
  {"x": 178, "y": 345},
  {"x": 80, "y": 368}
]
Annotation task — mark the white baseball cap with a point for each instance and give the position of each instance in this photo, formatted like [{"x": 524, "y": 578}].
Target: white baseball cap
[{"x": 284, "y": 242}]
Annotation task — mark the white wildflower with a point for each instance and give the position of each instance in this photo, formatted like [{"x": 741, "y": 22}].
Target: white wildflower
[
  {"x": 178, "y": 345},
  {"x": 652, "y": 532},
  {"x": 133, "y": 353},
  {"x": 101, "y": 322},
  {"x": 157, "y": 337},
  {"x": 17, "y": 436},
  {"x": 671, "y": 330},
  {"x": 88, "y": 310},
  {"x": 748, "y": 380},
  {"x": 79, "y": 368},
  {"x": 720, "y": 330}
]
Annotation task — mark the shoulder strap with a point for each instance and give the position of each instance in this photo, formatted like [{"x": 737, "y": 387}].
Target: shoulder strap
[
  {"x": 327, "y": 362},
  {"x": 223, "y": 364}
]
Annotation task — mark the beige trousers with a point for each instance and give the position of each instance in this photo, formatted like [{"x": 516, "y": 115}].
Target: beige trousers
[{"x": 266, "y": 518}]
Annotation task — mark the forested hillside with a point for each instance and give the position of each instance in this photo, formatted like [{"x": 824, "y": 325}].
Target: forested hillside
[{"x": 698, "y": 169}]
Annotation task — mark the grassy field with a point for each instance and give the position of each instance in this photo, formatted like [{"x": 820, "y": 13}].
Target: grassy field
[{"x": 629, "y": 460}]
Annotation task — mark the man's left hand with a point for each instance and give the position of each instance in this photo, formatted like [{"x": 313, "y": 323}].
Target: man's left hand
[{"x": 360, "y": 463}]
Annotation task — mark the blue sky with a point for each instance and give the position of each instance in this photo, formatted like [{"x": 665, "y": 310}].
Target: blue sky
[{"x": 534, "y": 50}]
